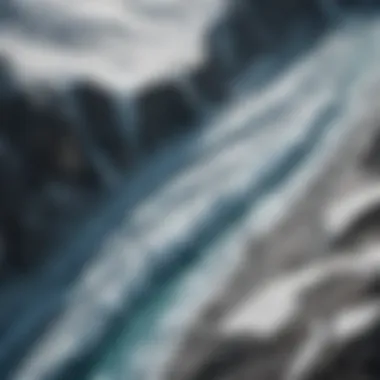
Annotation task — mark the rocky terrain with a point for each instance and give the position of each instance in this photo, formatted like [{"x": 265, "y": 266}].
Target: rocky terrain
[
  {"x": 304, "y": 304},
  {"x": 80, "y": 116},
  {"x": 69, "y": 135}
]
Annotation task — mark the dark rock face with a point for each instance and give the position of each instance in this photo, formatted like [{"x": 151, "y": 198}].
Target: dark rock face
[
  {"x": 288, "y": 12},
  {"x": 6, "y": 79},
  {"x": 12, "y": 177},
  {"x": 277, "y": 21},
  {"x": 39, "y": 132},
  {"x": 35, "y": 226},
  {"x": 221, "y": 43},
  {"x": 247, "y": 40},
  {"x": 212, "y": 79},
  {"x": 103, "y": 123},
  {"x": 164, "y": 112},
  {"x": 232, "y": 43},
  {"x": 39, "y": 145},
  {"x": 355, "y": 4},
  {"x": 246, "y": 31},
  {"x": 210, "y": 82}
]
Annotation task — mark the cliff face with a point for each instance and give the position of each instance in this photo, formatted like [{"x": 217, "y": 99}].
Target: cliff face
[
  {"x": 86, "y": 134},
  {"x": 74, "y": 126}
]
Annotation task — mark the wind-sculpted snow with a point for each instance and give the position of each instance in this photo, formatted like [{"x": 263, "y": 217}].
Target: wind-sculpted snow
[
  {"x": 167, "y": 123},
  {"x": 249, "y": 151},
  {"x": 301, "y": 305},
  {"x": 120, "y": 42}
]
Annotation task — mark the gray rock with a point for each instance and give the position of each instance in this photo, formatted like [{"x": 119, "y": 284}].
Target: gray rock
[{"x": 103, "y": 125}]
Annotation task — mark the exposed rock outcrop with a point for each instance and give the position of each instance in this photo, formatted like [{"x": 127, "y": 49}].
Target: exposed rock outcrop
[
  {"x": 163, "y": 112},
  {"x": 42, "y": 142},
  {"x": 102, "y": 122},
  {"x": 67, "y": 157}
]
